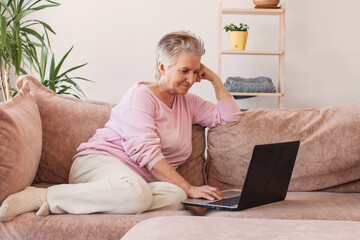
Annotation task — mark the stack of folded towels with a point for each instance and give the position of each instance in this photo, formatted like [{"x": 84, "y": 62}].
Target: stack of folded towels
[{"x": 258, "y": 84}]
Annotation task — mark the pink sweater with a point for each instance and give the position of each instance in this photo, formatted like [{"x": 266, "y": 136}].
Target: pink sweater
[{"x": 142, "y": 130}]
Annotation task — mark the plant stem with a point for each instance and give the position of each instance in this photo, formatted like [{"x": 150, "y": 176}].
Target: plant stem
[
  {"x": 1, "y": 81},
  {"x": 7, "y": 80}
]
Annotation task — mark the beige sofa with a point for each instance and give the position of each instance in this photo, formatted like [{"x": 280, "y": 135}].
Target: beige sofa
[{"x": 40, "y": 131}]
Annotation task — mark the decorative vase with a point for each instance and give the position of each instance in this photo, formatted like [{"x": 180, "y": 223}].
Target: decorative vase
[
  {"x": 238, "y": 40},
  {"x": 266, "y": 3}
]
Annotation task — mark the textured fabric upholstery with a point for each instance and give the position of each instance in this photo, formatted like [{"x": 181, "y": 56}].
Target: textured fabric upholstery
[
  {"x": 66, "y": 122},
  {"x": 20, "y": 143},
  {"x": 226, "y": 228},
  {"x": 329, "y": 154}
]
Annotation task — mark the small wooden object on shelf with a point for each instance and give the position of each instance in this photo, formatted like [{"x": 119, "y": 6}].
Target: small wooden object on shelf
[
  {"x": 280, "y": 52},
  {"x": 266, "y": 3}
]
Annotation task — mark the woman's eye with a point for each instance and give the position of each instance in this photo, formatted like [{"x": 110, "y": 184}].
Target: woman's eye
[{"x": 185, "y": 71}]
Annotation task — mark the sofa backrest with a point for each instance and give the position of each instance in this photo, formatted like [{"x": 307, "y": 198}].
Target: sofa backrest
[
  {"x": 67, "y": 122},
  {"x": 328, "y": 159},
  {"x": 329, "y": 154}
]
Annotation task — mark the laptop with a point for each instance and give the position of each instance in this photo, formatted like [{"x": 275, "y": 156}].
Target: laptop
[{"x": 267, "y": 179}]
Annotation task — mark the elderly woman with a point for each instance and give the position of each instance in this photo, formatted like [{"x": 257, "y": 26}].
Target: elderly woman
[{"x": 129, "y": 165}]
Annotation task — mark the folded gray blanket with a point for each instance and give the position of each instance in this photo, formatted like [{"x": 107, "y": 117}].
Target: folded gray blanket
[{"x": 258, "y": 84}]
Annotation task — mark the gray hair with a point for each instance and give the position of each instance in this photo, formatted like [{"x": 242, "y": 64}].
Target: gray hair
[{"x": 169, "y": 47}]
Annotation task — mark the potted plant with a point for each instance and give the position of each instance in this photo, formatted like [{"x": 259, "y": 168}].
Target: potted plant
[
  {"x": 21, "y": 41},
  {"x": 237, "y": 35}
]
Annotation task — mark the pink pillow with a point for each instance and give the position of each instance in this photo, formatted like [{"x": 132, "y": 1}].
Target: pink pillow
[
  {"x": 66, "y": 122},
  {"x": 329, "y": 154},
  {"x": 20, "y": 142}
]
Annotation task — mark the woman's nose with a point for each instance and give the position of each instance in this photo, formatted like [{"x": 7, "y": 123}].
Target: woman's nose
[{"x": 192, "y": 78}]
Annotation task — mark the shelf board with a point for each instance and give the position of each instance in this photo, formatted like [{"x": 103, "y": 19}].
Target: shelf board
[
  {"x": 258, "y": 11},
  {"x": 252, "y": 52},
  {"x": 256, "y": 94}
]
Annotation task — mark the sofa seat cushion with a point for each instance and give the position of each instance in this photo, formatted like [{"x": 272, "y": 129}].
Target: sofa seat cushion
[
  {"x": 328, "y": 157},
  {"x": 303, "y": 205},
  {"x": 200, "y": 228},
  {"x": 66, "y": 226}
]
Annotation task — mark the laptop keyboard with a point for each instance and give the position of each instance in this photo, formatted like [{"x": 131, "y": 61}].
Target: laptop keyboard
[{"x": 228, "y": 201}]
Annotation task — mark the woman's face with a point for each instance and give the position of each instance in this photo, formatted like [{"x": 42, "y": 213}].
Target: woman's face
[{"x": 183, "y": 74}]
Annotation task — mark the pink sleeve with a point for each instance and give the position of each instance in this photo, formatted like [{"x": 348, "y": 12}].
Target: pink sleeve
[
  {"x": 210, "y": 115},
  {"x": 140, "y": 139}
]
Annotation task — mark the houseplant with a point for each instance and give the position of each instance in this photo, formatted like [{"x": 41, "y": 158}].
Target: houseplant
[
  {"x": 21, "y": 40},
  {"x": 237, "y": 35}
]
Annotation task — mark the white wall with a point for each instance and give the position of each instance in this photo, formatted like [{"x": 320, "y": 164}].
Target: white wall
[{"x": 117, "y": 38}]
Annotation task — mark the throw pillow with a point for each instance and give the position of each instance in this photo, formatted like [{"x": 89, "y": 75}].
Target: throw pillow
[
  {"x": 193, "y": 170},
  {"x": 66, "y": 122},
  {"x": 328, "y": 157},
  {"x": 20, "y": 142}
]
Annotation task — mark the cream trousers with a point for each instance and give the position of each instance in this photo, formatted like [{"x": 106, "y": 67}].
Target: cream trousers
[{"x": 103, "y": 184}]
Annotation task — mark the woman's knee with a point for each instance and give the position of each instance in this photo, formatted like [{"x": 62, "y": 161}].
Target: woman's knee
[
  {"x": 167, "y": 196},
  {"x": 176, "y": 198},
  {"x": 136, "y": 198}
]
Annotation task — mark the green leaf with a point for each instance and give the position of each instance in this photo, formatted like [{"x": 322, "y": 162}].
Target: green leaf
[
  {"x": 20, "y": 15},
  {"x": 45, "y": 25},
  {"x": 34, "y": 33},
  {"x": 3, "y": 32},
  {"x": 27, "y": 3},
  {"x": 28, "y": 42},
  {"x": 72, "y": 69},
  {"x": 84, "y": 79},
  {"x": 57, "y": 69},
  {"x": 43, "y": 63},
  {"x": 48, "y": 40},
  {"x": 34, "y": 3},
  {"x": 52, "y": 74},
  {"x": 20, "y": 5},
  {"x": 43, "y": 6},
  {"x": 52, "y": 85},
  {"x": 19, "y": 56},
  {"x": 53, "y": 2},
  {"x": 8, "y": 46}
]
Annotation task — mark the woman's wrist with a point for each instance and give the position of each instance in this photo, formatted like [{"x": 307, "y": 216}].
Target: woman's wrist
[
  {"x": 188, "y": 189},
  {"x": 220, "y": 90}
]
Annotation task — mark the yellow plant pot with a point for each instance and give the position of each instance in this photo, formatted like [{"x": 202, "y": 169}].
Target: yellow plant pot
[{"x": 238, "y": 40}]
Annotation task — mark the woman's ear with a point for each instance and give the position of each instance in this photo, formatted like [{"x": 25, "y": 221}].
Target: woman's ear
[{"x": 161, "y": 68}]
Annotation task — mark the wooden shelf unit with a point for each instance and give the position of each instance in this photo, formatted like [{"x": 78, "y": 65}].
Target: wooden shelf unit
[{"x": 280, "y": 52}]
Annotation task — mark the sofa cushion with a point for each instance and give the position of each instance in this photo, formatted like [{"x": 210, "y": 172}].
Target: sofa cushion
[
  {"x": 66, "y": 122},
  {"x": 193, "y": 170},
  {"x": 305, "y": 206},
  {"x": 329, "y": 153},
  {"x": 67, "y": 226},
  {"x": 200, "y": 228},
  {"x": 20, "y": 142}
]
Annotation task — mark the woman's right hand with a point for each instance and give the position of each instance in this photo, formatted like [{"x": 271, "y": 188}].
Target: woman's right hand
[
  {"x": 208, "y": 74},
  {"x": 207, "y": 192}
]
